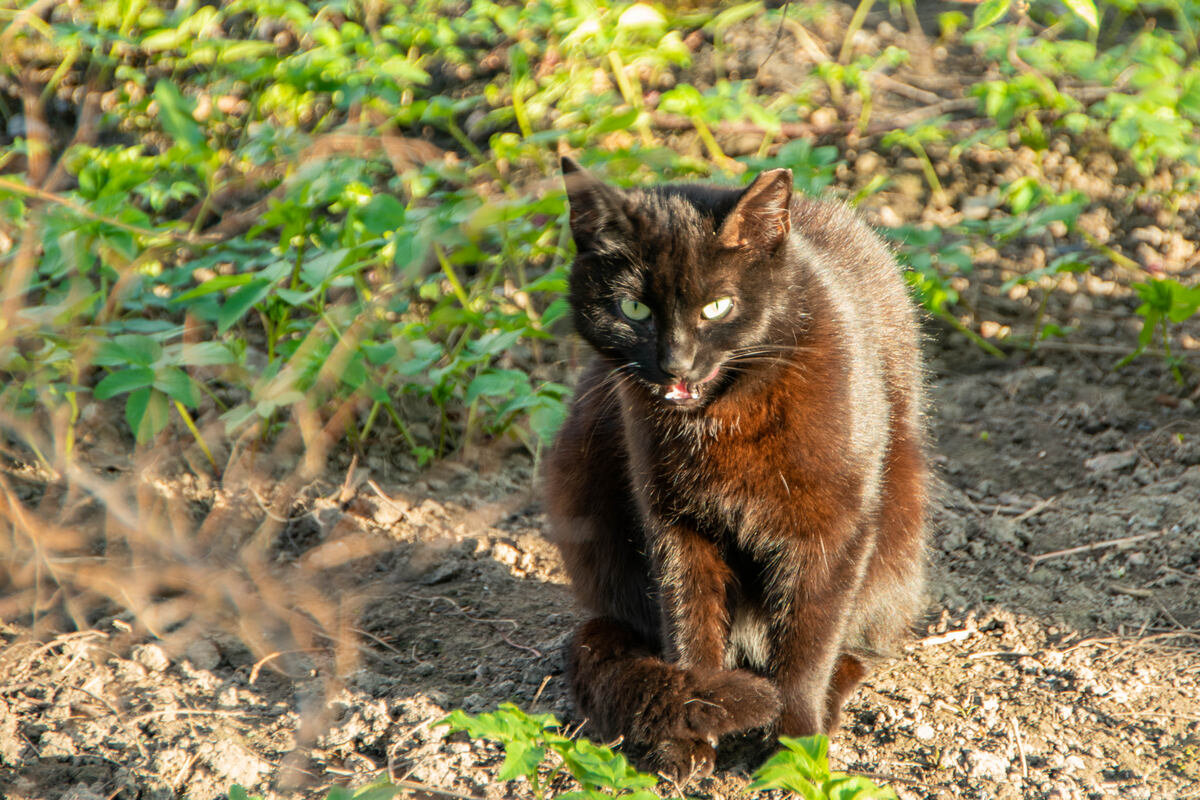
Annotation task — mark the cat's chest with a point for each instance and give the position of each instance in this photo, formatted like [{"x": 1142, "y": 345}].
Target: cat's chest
[{"x": 708, "y": 469}]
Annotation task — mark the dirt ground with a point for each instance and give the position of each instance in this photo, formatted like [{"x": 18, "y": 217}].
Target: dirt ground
[{"x": 1059, "y": 658}]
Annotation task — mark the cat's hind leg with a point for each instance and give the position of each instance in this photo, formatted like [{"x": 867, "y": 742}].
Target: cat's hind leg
[
  {"x": 848, "y": 672},
  {"x": 626, "y": 689}
]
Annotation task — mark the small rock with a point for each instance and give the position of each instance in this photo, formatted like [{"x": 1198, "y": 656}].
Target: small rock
[
  {"x": 924, "y": 732},
  {"x": 1111, "y": 462},
  {"x": 55, "y": 744},
  {"x": 203, "y": 654},
  {"x": 889, "y": 218},
  {"x": 977, "y": 207},
  {"x": 981, "y": 764},
  {"x": 388, "y": 513},
  {"x": 505, "y": 553},
  {"x": 152, "y": 657},
  {"x": 82, "y": 792},
  {"x": 233, "y": 762},
  {"x": 443, "y": 572},
  {"x": 228, "y": 698}
]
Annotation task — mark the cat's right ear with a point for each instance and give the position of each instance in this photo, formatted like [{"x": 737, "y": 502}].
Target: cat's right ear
[{"x": 597, "y": 209}]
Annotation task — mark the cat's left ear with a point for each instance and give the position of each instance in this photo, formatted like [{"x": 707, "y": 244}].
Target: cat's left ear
[{"x": 762, "y": 216}]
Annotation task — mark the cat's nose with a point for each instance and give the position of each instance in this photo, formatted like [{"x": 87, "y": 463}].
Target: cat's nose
[{"x": 678, "y": 362}]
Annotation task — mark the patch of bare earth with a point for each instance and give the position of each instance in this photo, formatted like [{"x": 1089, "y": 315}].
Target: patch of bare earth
[{"x": 1061, "y": 656}]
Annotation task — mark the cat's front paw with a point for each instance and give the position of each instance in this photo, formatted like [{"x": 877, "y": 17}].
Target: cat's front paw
[
  {"x": 682, "y": 759},
  {"x": 726, "y": 701}
]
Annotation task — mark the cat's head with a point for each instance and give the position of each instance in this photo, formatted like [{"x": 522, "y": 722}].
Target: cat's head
[{"x": 678, "y": 284}]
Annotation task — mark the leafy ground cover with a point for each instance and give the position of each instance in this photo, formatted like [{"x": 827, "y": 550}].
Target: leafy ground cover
[
  {"x": 274, "y": 272},
  {"x": 221, "y": 212}
]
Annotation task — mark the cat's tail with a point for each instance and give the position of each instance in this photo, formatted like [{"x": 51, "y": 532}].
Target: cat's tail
[{"x": 626, "y": 690}]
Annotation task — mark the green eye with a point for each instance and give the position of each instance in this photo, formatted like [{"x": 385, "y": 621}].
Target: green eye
[
  {"x": 717, "y": 308},
  {"x": 634, "y": 310}
]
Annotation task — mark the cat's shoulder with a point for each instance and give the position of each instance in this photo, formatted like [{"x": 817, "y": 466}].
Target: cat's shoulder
[{"x": 812, "y": 215}]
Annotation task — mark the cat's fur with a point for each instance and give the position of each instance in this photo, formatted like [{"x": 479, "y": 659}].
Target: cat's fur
[{"x": 747, "y": 543}]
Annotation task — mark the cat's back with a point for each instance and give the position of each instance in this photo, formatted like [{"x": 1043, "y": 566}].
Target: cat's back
[{"x": 867, "y": 284}]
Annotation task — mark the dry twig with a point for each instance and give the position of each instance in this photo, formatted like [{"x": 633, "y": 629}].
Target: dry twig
[
  {"x": 481, "y": 620},
  {"x": 1087, "y": 548}
]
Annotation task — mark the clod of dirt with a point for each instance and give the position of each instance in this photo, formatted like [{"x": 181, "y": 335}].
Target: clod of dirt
[
  {"x": 981, "y": 764},
  {"x": 1111, "y": 462},
  {"x": 152, "y": 657},
  {"x": 232, "y": 762}
]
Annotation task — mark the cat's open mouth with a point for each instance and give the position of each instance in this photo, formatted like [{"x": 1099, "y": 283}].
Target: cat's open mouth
[{"x": 688, "y": 394}]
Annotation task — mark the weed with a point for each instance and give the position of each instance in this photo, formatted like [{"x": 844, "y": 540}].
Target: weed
[
  {"x": 1163, "y": 301},
  {"x": 273, "y": 204}
]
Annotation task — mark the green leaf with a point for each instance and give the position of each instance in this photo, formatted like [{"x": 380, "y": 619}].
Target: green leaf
[
  {"x": 231, "y": 52},
  {"x": 733, "y": 15},
  {"x": 547, "y": 418},
  {"x": 1124, "y": 132},
  {"x": 555, "y": 282},
  {"x": 124, "y": 381},
  {"x": 295, "y": 297},
  {"x": 520, "y": 758},
  {"x": 1085, "y": 10},
  {"x": 205, "y": 354},
  {"x": 557, "y": 309},
  {"x": 382, "y": 789},
  {"x": 498, "y": 383},
  {"x": 175, "y": 115},
  {"x": 380, "y": 353},
  {"x": 216, "y": 284},
  {"x": 146, "y": 411},
  {"x": 494, "y": 343},
  {"x": 242, "y": 301},
  {"x": 617, "y": 122},
  {"x": 382, "y": 214},
  {"x": 683, "y": 99},
  {"x": 641, "y": 17},
  {"x": 318, "y": 270},
  {"x": 176, "y": 384},
  {"x": 988, "y": 12},
  {"x": 127, "y": 348},
  {"x": 404, "y": 71}
]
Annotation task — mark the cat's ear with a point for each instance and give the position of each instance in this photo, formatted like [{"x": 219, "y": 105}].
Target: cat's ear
[
  {"x": 761, "y": 217},
  {"x": 597, "y": 209}
]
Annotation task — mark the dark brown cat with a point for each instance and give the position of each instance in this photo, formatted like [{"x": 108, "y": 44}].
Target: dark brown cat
[{"x": 739, "y": 490}]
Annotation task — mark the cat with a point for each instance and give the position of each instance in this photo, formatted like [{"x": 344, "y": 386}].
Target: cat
[{"x": 739, "y": 490}]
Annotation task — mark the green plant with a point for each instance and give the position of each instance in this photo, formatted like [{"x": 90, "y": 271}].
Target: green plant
[
  {"x": 802, "y": 768},
  {"x": 1055, "y": 271},
  {"x": 813, "y": 168},
  {"x": 915, "y": 140},
  {"x": 856, "y": 75},
  {"x": 1163, "y": 301},
  {"x": 529, "y": 739},
  {"x": 989, "y": 12},
  {"x": 931, "y": 267}
]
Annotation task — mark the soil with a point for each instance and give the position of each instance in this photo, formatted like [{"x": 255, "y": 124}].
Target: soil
[{"x": 1059, "y": 658}]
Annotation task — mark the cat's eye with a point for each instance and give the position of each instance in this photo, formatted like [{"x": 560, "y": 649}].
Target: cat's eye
[
  {"x": 634, "y": 310},
  {"x": 717, "y": 308}
]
